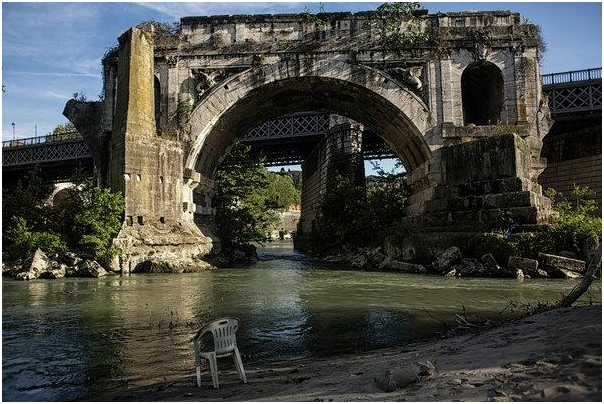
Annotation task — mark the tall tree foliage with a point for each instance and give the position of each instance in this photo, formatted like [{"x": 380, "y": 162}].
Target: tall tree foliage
[
  {"x": 280, "y": 192},
  {"x": 247, "y": 196},
  {"x": 64, "y": 131},
  {"x": 240, "y": 214}
]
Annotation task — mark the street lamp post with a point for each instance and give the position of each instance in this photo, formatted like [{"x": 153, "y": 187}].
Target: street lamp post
[{"x": 13, "y": 132}]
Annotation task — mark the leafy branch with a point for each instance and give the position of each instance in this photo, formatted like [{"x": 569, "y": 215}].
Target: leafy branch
[{"x": 400, "y": 26}]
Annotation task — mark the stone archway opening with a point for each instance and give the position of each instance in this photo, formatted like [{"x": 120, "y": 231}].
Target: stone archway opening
[
  {"x": 328, "y": 95},
  {"x": 482, "y": 93},
  {"x": 60, "y": 197},
  {"x": 319, "y": 94}
]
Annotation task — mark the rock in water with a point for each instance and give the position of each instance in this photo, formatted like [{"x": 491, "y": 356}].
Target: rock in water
[
  {"x": 490, "y": 265},
  {"x": 90, "y": 269},
  {"x": 34, "y": 265},
  {"x": 557, "y": 265},
  {"x": 527, "y": 265},
  {"x": 450, "y": 256}
]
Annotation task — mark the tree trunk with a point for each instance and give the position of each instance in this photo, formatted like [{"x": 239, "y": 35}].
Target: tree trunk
[{"x": 593, "y": 270}]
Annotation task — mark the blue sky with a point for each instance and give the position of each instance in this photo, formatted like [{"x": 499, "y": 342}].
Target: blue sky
[{"x": 52, "y": 50}]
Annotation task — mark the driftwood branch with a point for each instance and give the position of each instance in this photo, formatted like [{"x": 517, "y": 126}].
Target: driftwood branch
[{"x": 593, "y": 270}]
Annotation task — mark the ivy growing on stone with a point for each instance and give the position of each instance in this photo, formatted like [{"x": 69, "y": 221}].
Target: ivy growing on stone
[{"x": 400, "y": 27}]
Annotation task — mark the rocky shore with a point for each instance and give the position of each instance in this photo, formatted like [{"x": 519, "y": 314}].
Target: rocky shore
[
  {"x": 451, "y": 262},
  {"x": 552, "y": 356},
  {"x": 39, "y": 266}
]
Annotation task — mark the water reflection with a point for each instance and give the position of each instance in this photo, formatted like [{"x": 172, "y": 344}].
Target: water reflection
[{"x": 67, "y": 339}]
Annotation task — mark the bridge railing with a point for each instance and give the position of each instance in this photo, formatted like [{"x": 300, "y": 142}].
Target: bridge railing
[
  {"x": 25, "y": 151},
  {"x": 293, "y": 125},
  {"x": 31, "y": 141},
  {"x": 569, "y": 77},
  {"x": 574, "y": 92}
]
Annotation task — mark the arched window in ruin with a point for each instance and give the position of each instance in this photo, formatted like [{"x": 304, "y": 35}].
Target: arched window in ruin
[{"x": 482, "y": 94}]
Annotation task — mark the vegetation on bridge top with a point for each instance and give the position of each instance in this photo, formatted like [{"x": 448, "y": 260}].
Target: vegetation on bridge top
[{"x": 400, "y": 26}]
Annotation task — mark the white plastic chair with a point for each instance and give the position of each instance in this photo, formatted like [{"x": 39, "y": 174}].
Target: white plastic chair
[{"x": 223, "y": 332}]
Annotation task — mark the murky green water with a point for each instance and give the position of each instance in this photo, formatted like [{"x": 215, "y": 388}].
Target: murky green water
[{"x": 69, "y": 339}]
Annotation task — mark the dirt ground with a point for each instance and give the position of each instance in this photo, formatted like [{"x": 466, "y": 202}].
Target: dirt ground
[{"x": 552, "y": 356}]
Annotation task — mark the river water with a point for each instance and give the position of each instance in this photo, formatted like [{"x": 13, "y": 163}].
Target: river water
[{"x": 71, "y": 339}]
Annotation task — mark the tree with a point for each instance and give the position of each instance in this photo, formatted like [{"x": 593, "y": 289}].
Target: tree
[
  {"x": 574, "y": 223},
  {"x": 353, "y": 214},
  {"x": 87, "y": 219},
  {"x": 63, "y": 131},
  {"x": 27, "y": 222},
  {"x": 90, "y": 217},
  {"x": 280, "y": 192},
  {"x": 242, "y": 215}
]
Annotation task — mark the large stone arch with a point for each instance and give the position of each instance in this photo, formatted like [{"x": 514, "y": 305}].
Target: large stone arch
[{"x": 358, "y": 92}]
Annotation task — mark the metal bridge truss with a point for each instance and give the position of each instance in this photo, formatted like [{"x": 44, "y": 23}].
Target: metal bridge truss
[
  {"x": 45, "y": 153},
  {"x": 290, "y": 139},
  {"x": 290, "y": 126},
  {"x": 577, "y": 92},
  {"x": 56, "y": 157}
]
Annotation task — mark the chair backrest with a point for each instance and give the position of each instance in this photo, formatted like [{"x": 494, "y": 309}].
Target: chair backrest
[{"x": 223, "y": 330}]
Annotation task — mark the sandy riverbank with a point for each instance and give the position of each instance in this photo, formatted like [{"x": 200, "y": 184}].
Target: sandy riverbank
[{"x": 552, "y": 356}]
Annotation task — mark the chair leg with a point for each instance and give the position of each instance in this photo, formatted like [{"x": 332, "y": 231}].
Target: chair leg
[
  {"x": 239, "y": 365},
  {"x": 197, "y": 362},
  {"x": 214, "y": 369}
]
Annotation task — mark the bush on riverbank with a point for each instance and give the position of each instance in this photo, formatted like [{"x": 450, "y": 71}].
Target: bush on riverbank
[
  {"x": 574, "y": 224},
  {"x": 86, "y": 221}
]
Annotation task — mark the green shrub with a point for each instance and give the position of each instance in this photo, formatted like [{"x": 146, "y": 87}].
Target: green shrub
[
  {"x": 574, "y": 223},
  {"x": 90, "y": 217},
  {"x": 22, "y": 240}
]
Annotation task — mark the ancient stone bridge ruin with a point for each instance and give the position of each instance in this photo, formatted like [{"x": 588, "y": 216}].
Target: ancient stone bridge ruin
[{"x": 462, "y": 108}]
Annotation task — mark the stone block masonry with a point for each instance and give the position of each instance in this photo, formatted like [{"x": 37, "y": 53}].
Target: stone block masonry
[
  {"x": 484, "y": 181},
  {"x": 339, "y": 153},
  {"x": 147, "y": 169}
]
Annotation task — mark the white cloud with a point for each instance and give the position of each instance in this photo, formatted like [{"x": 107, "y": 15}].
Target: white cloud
[
  {"x": 52, "y": 94},
  {"x": 178, "y": 10}
]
